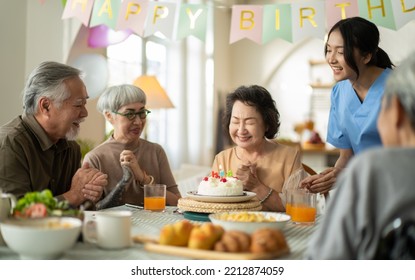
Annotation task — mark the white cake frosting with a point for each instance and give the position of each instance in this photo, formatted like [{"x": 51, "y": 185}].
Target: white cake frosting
[{"x": 225, "y": 186}]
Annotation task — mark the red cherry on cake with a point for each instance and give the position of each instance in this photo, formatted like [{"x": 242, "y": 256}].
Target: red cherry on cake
[
  {"x": 206, "y": 179},
  {"x": 223, "y": 180}
]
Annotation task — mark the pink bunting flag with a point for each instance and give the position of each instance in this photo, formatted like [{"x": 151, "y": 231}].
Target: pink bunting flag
[
  {"x": 340, "y": 9},
  {"x": 246, "y": 22}
]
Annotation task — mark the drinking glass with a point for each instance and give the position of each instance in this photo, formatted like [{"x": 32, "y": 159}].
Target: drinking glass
[
  {"x": 155, "y": 197},
  {"x": 301, "y": 206}
]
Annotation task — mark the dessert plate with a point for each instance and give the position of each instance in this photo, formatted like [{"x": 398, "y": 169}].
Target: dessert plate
[{"x": 206, "y": 198}]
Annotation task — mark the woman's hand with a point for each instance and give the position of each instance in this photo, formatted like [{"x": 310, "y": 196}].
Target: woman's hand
[
  {"x": 323, "y": 182},
  {"x": 128, "y": 158},
  {"x": 247, "y": 174}
]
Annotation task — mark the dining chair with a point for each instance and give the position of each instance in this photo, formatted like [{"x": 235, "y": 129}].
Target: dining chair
[
  {"x": 308, "y": 169},
  {"x": 397, "y": 241}
]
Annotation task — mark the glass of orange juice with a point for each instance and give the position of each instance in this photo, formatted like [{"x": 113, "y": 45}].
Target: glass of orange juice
[
  {"x": 155, "y": 197},
  {"x": 302, "y": 206}
]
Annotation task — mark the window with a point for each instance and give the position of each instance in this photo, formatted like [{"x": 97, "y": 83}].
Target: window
[{"x": 132, "y": 58}]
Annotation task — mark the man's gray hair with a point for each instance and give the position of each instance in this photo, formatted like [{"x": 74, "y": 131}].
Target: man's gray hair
[
  {"x": 47, "y": 80},
  {"x": 401, "y": 83},
  {"x": 113, "y": 98}
]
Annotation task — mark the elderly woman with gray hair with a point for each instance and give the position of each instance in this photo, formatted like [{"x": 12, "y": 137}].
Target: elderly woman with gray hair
[
  {"x": 124, "y": 107},
  {"x": 377, "y": 189}
]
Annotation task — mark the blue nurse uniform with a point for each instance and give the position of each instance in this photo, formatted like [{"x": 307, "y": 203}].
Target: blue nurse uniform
[{"x": 352, "y": 123}]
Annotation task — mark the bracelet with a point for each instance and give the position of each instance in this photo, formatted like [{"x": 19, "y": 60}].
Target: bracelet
[
  {"x": 149, "y": 183},
  {"x": 266, "y": 197},
  {"x": 151, "y": 180}
]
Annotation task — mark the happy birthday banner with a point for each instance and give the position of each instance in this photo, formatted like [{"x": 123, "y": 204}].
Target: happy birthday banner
[{"x": 291, "y": 21}]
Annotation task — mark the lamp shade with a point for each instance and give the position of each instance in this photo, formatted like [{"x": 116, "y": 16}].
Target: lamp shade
[{"x": 156, "y": 96}]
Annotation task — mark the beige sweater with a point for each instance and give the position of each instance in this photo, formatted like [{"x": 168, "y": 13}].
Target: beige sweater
[
  {"x": 151, "y": 158},
  {"x": 272, "y": 170}
]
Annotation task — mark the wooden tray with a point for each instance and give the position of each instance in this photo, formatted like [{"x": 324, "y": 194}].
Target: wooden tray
[{"x": 210, "y": 255}]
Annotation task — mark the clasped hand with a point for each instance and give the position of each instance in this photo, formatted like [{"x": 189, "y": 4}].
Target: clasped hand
[
  {"x": 248, "y": 175},
  {"x": 87, "y": 184}
]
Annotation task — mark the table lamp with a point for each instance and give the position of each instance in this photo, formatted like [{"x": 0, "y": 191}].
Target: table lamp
[{"x": 157, "y": 97}]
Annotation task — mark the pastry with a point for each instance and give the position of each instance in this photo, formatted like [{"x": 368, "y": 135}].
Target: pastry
[
  {"x": 205, "y": 236},
  {"x": 267, "y": 240},
  {"x": 233, "y": 241},
  {"x": 176, "y": 234}
]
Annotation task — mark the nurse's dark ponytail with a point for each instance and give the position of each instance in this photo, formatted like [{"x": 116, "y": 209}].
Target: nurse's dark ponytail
[{"x": 382, "y": 59}]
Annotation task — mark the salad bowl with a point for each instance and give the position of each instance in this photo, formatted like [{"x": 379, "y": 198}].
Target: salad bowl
[{"x": 41, "y": 238}]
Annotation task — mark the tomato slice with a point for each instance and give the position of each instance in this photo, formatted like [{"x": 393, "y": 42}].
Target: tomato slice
[{"x": 37, "y": 210}]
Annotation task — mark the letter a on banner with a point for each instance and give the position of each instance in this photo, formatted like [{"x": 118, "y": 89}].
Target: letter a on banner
[
  {"x": 246, "y": 22},
  {"x": 105, "y": 12}
]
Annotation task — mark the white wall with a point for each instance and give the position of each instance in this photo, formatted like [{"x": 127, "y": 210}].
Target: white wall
[
  {"x": 12, "y": 57},
  {"x": 30, "y": 33}
]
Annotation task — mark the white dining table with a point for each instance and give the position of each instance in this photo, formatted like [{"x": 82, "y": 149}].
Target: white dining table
[{"x": 149, "y": 224}]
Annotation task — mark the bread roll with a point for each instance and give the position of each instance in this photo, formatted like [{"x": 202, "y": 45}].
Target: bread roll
[
  {"x": 267, "y": 240},
  {"x": 205, "y": 236},
  {"x": 233, "y": 241},
  {"x": 176, "y": 234}
]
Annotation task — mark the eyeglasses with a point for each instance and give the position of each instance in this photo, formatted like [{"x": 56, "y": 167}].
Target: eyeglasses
[{"x": 142, "y": 114}]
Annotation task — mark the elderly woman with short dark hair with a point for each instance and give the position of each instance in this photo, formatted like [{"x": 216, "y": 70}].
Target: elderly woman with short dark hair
[
  {"x": 263, "y": 165},
  {"x": 124, "y": 107}
]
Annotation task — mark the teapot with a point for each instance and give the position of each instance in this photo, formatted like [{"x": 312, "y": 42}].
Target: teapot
[{"x": 7, "y": 203}]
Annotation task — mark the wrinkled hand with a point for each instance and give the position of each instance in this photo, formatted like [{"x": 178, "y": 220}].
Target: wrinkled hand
[
  {"x": 321, "y": 183},
  {"x": 127, "y": 158},
  {"x": 247, "y": 174},
  {"x": 95, "y": 187},
  {"x": 87, "y": 184}
]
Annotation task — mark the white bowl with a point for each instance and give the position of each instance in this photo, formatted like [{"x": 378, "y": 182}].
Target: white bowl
[
  {"x": 279, "y": 220},
  {"x": 43, "y": 238}
]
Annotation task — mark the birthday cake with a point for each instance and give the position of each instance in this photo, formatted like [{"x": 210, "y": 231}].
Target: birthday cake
[{"x": 216, "y": 185}]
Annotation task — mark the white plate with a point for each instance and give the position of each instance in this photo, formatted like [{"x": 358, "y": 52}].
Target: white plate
[{"x": 206, "y": 198}]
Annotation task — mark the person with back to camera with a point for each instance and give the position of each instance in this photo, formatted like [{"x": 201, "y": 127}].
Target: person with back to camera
[
  {"x": 378, "y": 185},
  {"x": 38, "y": 148},
  {"x": 263, "y": 165},
  {"x": 124, "y": 107},
  {"x": 360, "y": 68}
]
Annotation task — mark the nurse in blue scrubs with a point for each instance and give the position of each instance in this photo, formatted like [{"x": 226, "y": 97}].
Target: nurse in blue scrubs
[{"x": 360, "y": 69}]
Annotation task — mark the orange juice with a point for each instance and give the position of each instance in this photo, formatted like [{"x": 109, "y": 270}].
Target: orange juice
[
  {"x": 303, "y": 214},
  {"x": 154, "y": 203},
  {"x": 288, "y": 208}
]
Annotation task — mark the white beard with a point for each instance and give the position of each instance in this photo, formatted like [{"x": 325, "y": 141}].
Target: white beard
[{"x": 72, "y": 134}]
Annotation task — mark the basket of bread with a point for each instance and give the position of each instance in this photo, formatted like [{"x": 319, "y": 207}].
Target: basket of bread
[{"x": 212, "y": 241}]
